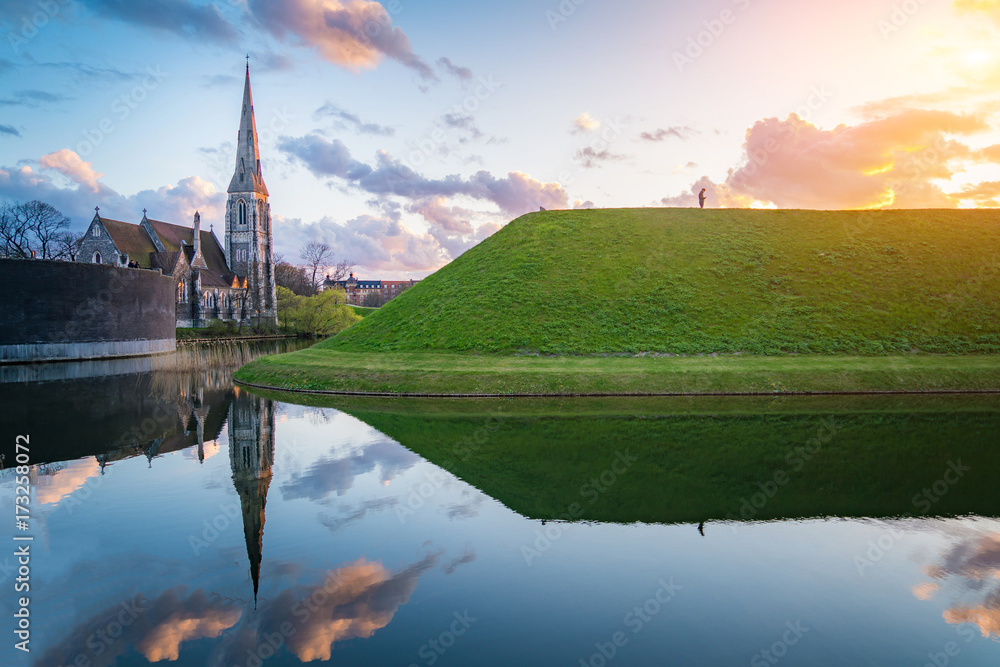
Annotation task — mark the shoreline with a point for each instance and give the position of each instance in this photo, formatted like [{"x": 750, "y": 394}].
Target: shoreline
[{"x": 322, "y": 371}]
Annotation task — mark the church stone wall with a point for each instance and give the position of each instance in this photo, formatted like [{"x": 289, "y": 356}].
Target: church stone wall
[{"x": 53, "y": 311}]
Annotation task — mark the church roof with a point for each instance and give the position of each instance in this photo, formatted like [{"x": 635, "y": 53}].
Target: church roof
[
  {"x": 172, "y": 235},
  {"x": 131, "y": 240},
  {"x": 247, "y": 177}
]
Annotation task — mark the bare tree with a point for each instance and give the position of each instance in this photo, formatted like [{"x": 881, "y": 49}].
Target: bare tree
[
  {"x": 341, "y": 270},
  {"x": 317, "y": 257},
  {"x": 32, "y": 226},
  {"x": 66, "y": 246}
]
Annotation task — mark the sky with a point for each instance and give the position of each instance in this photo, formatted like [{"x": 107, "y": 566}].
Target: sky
[{"x": 404, "y": 132}]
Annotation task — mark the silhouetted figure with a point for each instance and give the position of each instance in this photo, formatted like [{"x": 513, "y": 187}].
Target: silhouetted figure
[
  {"x": 701, "y": 528},
  {"x": 701, "y": 198}
]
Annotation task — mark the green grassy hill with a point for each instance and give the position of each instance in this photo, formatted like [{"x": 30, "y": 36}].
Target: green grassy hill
[{"x": 684, "y": 281}]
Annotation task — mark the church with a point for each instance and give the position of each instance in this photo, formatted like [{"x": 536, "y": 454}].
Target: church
[{"x": 233, "y": 280}]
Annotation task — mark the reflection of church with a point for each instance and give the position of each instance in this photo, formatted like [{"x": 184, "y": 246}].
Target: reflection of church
[{"x": 251, "y": 455}]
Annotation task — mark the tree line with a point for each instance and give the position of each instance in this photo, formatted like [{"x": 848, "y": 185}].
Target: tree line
[{"x": 35, "y": 230}]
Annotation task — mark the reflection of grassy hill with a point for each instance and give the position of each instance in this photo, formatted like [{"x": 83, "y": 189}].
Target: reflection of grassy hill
[
  {"x": 692, "y": 281},
  {"x": 699, "y": 459}
]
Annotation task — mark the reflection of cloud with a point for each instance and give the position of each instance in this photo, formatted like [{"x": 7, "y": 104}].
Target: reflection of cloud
[
  {"x": 467, "y": 556},
  {"x": 351, "y": 514},
  {"x": 61, "y": 483},
  {"x": 353, "y": 601},
  {"x": 972, "y": 566},
  {"x": 156, "y": 628},
  {"x": 338, "y": 475},
  {"x": 925, "y": 591},
  {"x": 986, "y": 618},
  {"x": 186, "y": 624}
]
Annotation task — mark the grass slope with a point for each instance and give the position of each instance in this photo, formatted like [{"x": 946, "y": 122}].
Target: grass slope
[{"x": 690, "y": 281}]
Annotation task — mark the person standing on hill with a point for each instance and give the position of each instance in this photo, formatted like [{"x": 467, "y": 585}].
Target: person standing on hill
[{"x": 701, "y": 198}]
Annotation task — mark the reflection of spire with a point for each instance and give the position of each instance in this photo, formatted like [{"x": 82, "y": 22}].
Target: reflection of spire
[
  {"x": 251, "y": 453},
  {"x": 152, "y": 450},
  {"x": 201, "y": 414}
]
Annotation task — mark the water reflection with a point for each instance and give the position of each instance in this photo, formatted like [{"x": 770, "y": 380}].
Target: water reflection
[
  {"x": 968, "y": 574},
  {"x": 251, "y": 455},
  {"x": 358, "y": 545}
]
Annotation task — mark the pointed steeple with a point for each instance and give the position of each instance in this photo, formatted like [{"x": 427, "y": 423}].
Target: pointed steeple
[{"x": 247, "y": 177}]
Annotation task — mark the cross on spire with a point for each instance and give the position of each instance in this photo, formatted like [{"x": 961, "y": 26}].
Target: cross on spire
[
  {"x": 97, "y": 209},
  {"x": 144, "y": 213}
]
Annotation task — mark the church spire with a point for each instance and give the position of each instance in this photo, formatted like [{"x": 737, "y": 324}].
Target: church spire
[{"x": 247, "y": 177}]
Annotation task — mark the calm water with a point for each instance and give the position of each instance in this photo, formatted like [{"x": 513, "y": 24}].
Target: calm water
[{"x": 176, "y": 518}]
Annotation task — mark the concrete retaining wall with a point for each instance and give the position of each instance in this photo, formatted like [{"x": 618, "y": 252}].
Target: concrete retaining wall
[{"x": 53, "y": 311}]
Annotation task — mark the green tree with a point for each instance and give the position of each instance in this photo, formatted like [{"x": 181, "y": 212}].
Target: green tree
[{"x": 324, "y": 314}]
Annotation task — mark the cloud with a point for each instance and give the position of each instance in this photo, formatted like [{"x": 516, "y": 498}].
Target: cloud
[
  {"x": 453, "y": 219},
  {"x": 9, "y": 129},
  {"x": 989, "y": 7},
  {"x": 584, "y": 123},
  {"x": 355, "y": 35},
  {"x": 516, "y": 194},
  {"x": 71, "y": 165},
  {"x": 173, "y": 203},
  {"x": 897, "y": 160},
  {"x": 331, "y": 110},
  {"x": 660, "y": 134},
  {"x": 32, "y": 98},
  {"x": 195, "y": 21},
  {"x": 463, "y": 74},
  {"x": 592, "y": 157}
]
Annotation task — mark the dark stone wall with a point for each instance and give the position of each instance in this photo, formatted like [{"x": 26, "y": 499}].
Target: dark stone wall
[{"x": 71, "y": 310}]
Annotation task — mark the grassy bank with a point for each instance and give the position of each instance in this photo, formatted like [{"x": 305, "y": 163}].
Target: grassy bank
[
  {"x": 452, "y": 373},
  {"x": 625, "y": 301},
  {"x": 702, "y": 459}
]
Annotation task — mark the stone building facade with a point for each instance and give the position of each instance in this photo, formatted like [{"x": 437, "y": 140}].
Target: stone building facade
[{"x": 233, "y": 280}]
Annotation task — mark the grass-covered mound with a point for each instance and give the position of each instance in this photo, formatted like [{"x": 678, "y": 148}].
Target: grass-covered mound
[
  {"x": 688, "y": 281},
  {"x": 628, "y": 301}
]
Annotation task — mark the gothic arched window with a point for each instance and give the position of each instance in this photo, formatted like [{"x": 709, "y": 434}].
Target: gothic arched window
[
  {"x": 242, "y": 213},
  {"x": 97, "y": 258}
]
